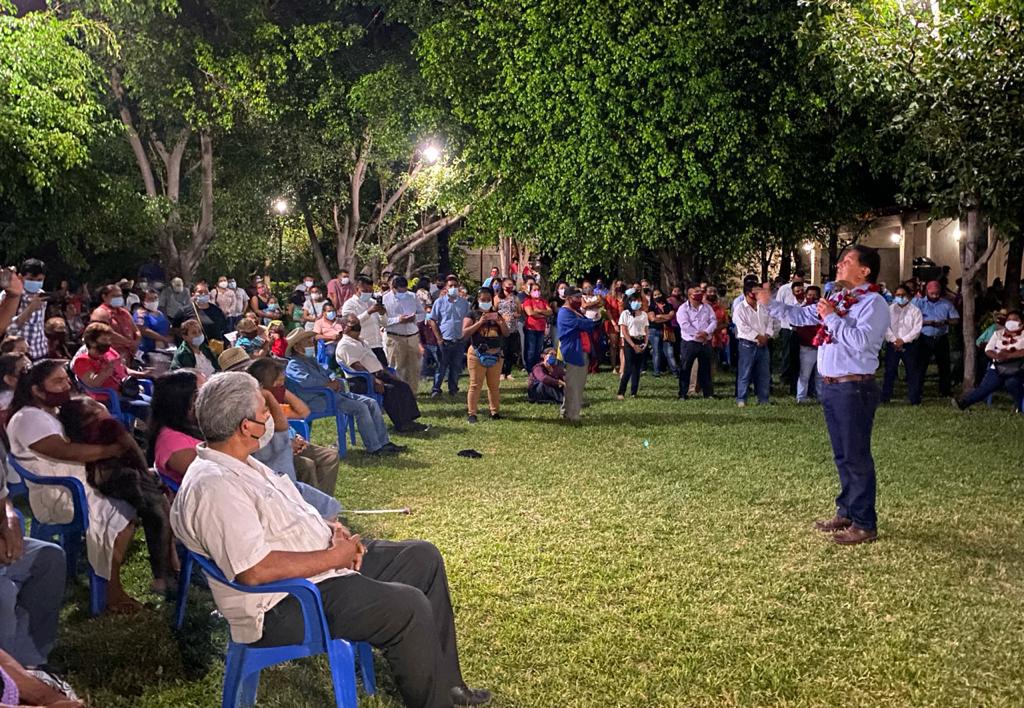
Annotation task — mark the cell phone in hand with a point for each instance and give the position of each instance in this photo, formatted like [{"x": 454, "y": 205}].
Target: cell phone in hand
[{"x": 6, "y": 275}]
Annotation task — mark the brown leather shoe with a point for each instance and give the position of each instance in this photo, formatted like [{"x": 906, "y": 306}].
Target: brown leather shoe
[
  {"x": 836, "y": 523},
  {"x": 853, "y": 535}
]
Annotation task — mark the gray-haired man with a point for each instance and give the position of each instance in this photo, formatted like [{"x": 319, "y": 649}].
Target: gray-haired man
[{"x": 254, "y": 525}]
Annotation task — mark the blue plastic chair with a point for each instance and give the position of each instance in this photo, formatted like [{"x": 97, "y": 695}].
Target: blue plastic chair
[
  {"x": 70, "y": 536},
  {"x": 243, "y": 663},
  {"x": 367, "y": 379},
  {"x": 113, "y": 400},
  {"x": 187, "y": 561},
  {"x": 304, "y": 426}
]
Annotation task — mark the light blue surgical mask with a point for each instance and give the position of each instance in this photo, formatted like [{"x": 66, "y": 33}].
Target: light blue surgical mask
[
  {"x": 330, "y": 315},
  {"x": 365, "y": 297},
  {"x": 117, "y": 302},
  {"x": 33, "y": 286},
  {"x": 202, "y": 299},
  {"x": 635, "y": 305},
  {"x": 630, "y": 291},
  {"x": 485, "y": 305},
  {"x": 310, "y": 352},
  {"x": 901, "y": 301},
  {"x": 198, "y": 340}
]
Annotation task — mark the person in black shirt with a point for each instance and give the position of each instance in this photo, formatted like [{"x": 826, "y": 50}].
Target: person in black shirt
[{"x": 486, "y": 331}]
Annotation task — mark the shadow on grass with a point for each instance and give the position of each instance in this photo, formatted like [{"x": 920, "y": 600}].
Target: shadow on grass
[{"x": 668, "y": 419}]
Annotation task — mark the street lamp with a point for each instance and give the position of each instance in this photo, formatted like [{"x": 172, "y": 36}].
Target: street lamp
[
  {"x": 281, "y": 206},
  {"x": 430, "y": 153},
  {"x": 808, "y": 247},
  {"x": 895, "y": 238}
]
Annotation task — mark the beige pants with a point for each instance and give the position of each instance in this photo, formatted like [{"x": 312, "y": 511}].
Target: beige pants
[
  {"x": 404, "y": 355},
  {"x": 317, "y": 466},
  {"x": 575, "y": 380},
  {"x": 478, "y": 373}
]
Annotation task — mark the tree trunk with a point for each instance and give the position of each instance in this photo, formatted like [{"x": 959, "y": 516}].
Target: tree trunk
[
  {"x": 444, "y": 254},
  {"x": 785, "y": 262},
  {"x": 972, "y": 230},
  {"x": 203, "y": 231},
  {"x": 410, "y": 265},
  {"x": 1014, "y": 256},
  {"x": 833, "y": 252},
  {"x": 314, "y": 242}
]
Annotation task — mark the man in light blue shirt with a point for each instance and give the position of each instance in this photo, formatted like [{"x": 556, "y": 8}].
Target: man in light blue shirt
[
  {"x": 446, "y": 320},
  {"x": 854, "y": 329},
  {"x": 938, "y": 313}
]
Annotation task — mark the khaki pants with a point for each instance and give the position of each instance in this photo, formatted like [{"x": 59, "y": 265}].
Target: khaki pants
[
  {"x": 317, "y": 466},
  {"x": 404, "y": 355},
  {"x": 575, "y": 380},
  {"x": 478, "y": 373}
]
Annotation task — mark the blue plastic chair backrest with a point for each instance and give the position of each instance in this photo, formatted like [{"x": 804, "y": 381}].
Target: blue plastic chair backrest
[
  {"x": 74, "y": 486},
  {"x": 313, "y": 618},
  {"x": 113, "y": 401},
  {"x": 168, "y": 482}
]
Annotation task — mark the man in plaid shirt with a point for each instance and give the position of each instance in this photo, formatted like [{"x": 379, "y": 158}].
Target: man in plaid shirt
[{"x": 31, "y": 314}]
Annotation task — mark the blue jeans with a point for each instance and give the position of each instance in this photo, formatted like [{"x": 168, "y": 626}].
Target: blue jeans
[
  {"x": 432, "y": 364},
  {"x": 655, "y": 340},
  {"x": 755, "y": 366},
  {"x": 369, "y": 420},
  {"x": 850, "y": 415},
  {"x": 534, "y": 347},
  {"x": 992, "y": 382},
  {"x": 453, "y": 355},
  {"x": 31, "y": 593}
]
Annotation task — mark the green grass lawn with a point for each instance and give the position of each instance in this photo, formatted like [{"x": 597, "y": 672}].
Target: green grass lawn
[{"x": 662, "y": 555}]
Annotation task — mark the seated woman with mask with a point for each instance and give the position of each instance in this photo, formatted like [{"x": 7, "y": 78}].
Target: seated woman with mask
[
  {"x": 1005, "y": 351},
  {"x": 547, "y": 380}
]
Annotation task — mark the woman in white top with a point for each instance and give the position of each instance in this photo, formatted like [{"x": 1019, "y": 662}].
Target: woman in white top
[
  {"x": 38, "y": 441},
  {"x": 633, "y": 325},
  {"x": 1005, "y": 350}
]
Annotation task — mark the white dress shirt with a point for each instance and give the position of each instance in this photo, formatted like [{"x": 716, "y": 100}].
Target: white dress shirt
[
  {"x": 370, "y": 323},
  {"x": 237, "y": 513},
  {"x": 398, "y": 305},
  {"x": 354, "y": 351},
  {"x": 786, "y": 297},
  {"x": 751, "y": 322},
  {"x": 904, "y": 323}
]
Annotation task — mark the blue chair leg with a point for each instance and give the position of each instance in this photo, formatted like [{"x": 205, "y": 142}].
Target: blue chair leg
[
  {"x": 233, "y": 663},
  {"x": 366, "y": 669},
  {"x": 988, "y": 401},
  {"x": 343, "y": 674},
  {"x": 250, "y": 685},
  {"x": 97, "y": 594},
  {"x": 184, "y": 581},
  {"x": 72, "y": 545},
  {"x": 352, "y": 429}
]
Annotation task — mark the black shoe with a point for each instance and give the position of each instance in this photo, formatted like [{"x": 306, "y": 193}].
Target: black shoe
[
  {"x": 497, "y": 416},
  {"x": 413, "y": 428},
  {"x": 470, "y": 418},
  {"x": 385, "y": 451},
  {"x": 683, "y": 398},
  {"x": 435, "y": 394},
  {"x": 466, "y": 696},
  {"x": 396, "y": 448}
]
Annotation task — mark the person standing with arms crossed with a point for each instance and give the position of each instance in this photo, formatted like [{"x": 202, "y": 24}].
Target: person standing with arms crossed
[{"x": 853, "y": 323}]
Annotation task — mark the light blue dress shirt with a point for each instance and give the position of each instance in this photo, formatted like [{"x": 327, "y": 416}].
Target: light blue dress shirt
[
  {"x": 448, "y": 315},
  {"x": 856, "y": 338},
  {"x": 941, "y": 309}
]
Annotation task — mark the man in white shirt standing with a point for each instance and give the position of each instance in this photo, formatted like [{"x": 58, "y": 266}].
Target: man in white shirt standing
[
  {"x": 755, "y": 327},
  {"x": 255, "y": 527},
  {"x": 404, "y": 313},
  {"x": 697, "y": 323},
  {"x": 905, "y": 323},
  {"x": 363, "y": 306},
  {"x": 791, "y": 293}
]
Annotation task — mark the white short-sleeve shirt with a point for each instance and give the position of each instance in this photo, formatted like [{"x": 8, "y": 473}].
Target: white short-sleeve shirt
[
  {"x": 636, "y": 324},
  {"x": 355, "y": 351}
]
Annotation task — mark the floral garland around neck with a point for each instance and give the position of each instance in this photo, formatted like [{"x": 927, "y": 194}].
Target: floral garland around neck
[
  {"x": 1009, "y": 341},
  {"x": 844, "y": 299}
]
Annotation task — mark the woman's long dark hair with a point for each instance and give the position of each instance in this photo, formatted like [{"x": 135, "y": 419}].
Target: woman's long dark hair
[
  {"x": 36, "y": 374},
  {"x": 173, "y": 397}
]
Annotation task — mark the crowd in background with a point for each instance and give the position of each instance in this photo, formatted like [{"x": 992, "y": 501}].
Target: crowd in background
[{"x": 101, "y": 384}]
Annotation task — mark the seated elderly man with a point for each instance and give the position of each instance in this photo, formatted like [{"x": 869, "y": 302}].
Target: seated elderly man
[
  {"x": 256, "y": 528},
  {"x": 303, "y": 377},
  {"x": 399, "y": 399}
]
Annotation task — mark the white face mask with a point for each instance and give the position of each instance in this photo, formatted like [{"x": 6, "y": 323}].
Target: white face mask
[
  {"x": 365, "y": 297},
  {"x": 485, "y": 305},
  {"x": 1012, "y": 325},
  {"x": 151, "y": 305},
  {"x": 308, "y": 283},
  {"x": 345, "y": 280},
  {"x": 222, "y": 284},
  {"x": 268, "y": 432}
]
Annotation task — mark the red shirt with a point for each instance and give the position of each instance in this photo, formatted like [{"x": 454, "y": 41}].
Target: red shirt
[
  {"x": 536, "y": 323},
  {"x": 83, "y": 364},
  {"x": 121, "y": 322},
  {"x": 279, "y": 346}
]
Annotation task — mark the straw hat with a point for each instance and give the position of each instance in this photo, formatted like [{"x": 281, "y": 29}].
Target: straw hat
[
  {"x": 232, "y": 359},
  {"x": 297, "y": 339}
]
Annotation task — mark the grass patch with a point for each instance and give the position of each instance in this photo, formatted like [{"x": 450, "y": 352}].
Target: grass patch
[{"x": 590, "y": 569}]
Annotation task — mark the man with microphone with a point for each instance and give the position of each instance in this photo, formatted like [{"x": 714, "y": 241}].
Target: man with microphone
[{"x": 852, "y": 324}]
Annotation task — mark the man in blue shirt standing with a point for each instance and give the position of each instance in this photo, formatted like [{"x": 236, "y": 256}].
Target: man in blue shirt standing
[
  {"x": 446, "y": 320},
  {"x": 938, "y": 313},
  {"x": 572, "y": 324},
  {"x": 854, "y": 321}
]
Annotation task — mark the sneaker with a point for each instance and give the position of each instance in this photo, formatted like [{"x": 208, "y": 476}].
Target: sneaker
[
  {"x": 470, "y": 418},
  {"x": 497, "y": 416},
  {"x": 396, "y": 448},
  {"x": 55, "y": 682},
  {"x": 741, "y": 404},
  {"x": 435, "y": 394}
]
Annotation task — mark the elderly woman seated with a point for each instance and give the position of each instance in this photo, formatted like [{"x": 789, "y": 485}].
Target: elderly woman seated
[
  {"x": 547, "y": 380},
  {"x": 100, "y": 366}
]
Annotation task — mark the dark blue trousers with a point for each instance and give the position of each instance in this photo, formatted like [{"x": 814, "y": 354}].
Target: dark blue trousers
[
  {"x": 992, "y": 382},
  {"x": 909, "y": 358},
  {"x": 850, "y": 415}
]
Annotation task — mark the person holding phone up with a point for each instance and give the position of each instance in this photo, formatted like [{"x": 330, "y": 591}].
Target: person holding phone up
[{"x": 486, "y": 331}]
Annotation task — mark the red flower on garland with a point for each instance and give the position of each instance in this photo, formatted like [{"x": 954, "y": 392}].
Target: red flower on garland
[{"x": 843, "y": 300}]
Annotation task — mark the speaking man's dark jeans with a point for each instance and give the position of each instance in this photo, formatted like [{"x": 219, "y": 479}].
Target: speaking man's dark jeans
[{"x": 850, "y": 415}]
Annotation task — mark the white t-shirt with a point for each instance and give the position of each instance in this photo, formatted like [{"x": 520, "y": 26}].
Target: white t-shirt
[
  {"x": 314, "y": 309},
  {"x": 107, "y": 517},
  {"x": 636, "y": 324},
  {"x": 355, "y": 351}
]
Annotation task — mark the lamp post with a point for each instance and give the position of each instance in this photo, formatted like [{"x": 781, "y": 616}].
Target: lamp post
[{"x": 281, "y": 207}]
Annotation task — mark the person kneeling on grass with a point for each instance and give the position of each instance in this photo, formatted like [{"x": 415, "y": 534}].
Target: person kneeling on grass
[
  {"x": 1005, "y": 350},
  {"x": 547, "y": 380},
  {"x": 256, "y": 528}
]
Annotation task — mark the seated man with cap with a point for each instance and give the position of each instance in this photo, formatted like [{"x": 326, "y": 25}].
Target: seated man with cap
[
  {"x": 399, "y": 400},
  {"x": 257, "y": 529},
  {"x": 303, "y": 375}
]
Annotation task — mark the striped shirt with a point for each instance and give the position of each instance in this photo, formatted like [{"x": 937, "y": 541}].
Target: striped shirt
[{"x": 236, "y": 513}]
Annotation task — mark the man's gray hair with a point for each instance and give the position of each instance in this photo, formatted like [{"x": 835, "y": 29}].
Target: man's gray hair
[{"x": 224, "y": 402}]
